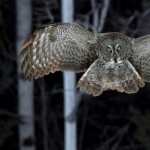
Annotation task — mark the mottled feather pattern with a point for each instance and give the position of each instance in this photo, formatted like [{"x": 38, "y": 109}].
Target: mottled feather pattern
[
  {"x": 111, "y": 61},
  {"x": 141, "y": 58},
  {"x": 25, "y": 57},
  {"x": 55, "y": 47},
  {"x": 101, "y": 77}
]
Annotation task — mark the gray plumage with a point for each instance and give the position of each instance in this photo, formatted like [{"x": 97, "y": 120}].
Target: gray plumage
[
  {"x": 111, "y": 61},
  {"x": 57, "y": 47}
]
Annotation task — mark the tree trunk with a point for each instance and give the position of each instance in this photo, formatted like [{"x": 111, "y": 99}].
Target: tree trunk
[
  {"x": 69, "y": 87},
  {"x": 25, "y": 88}
]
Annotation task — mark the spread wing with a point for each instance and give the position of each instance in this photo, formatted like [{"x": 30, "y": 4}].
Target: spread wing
[
  {"x": 57, "y": 47},
  {"x": 110, "y": 76},
  {"x": 141, "y": 59},
  {"x": 91, "y": 80}
]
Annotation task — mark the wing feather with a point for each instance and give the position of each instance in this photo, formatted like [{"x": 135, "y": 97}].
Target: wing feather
[
  {"x": 57, "y": 47},
  {"x": 101, "y": 77},
  {"x": 141, "y": 59}
]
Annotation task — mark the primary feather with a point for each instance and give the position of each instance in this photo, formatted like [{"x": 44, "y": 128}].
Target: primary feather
[{"x": 57, "y": 47}]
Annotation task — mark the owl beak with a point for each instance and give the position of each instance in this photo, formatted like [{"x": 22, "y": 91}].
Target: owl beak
[{"x": 116, "y": 59}]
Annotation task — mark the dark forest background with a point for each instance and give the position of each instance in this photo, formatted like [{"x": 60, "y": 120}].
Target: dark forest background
[{"x": 112, "y": 121}]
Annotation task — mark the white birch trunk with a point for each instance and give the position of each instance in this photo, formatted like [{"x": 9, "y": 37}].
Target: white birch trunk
[
  {"x": 69, "y": 87},
  {"x": 25, "y": 88}
]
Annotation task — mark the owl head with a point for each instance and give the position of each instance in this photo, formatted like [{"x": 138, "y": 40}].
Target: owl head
[{"x": 114, "y": 47}]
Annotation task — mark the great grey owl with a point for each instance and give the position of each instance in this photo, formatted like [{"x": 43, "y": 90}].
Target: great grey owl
[{"x": 111, "y": 61}]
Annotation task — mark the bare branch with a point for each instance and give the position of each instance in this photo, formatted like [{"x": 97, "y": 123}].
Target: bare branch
[
  {"x": 95, "y": 11},
  {"x": 49, "y": 14},
  {"x": 103, "y": 16},
  {"x": 121, "y": 132}
]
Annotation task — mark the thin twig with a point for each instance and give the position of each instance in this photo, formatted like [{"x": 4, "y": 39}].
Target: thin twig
[
  {"x": 119, "y": 134},
  {"x": 95, "y": 11},
  {"x": 49, "y": 13},
  {"x": 103, "y": 16}
]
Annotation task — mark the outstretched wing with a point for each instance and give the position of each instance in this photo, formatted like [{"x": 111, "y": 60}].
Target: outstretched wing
[
  {"x": 91, "y": 80},
  {"x": 58, "y": 47},
  {"x": 110, "y": 76},
  {"x": 141, "y": 57}
]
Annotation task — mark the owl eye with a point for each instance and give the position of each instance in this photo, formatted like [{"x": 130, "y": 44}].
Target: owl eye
[
  {"x": 110, "y": 48},
  {"x": 117, "y": 47}
]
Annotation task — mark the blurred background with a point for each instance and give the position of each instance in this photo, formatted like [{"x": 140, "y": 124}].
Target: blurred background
[{"x": 34, "y": 119}]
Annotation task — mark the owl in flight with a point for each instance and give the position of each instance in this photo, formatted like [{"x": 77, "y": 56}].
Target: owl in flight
[{"x": 110, "y": 61}]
